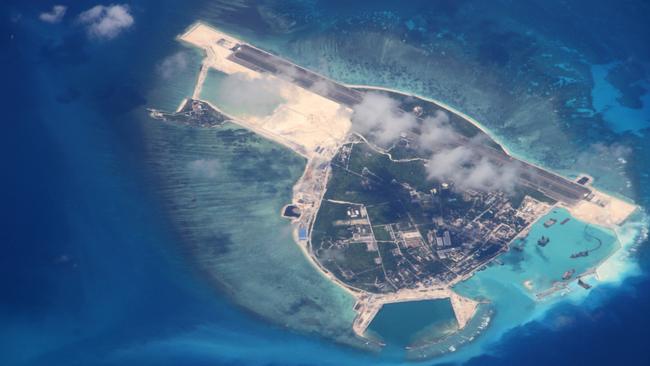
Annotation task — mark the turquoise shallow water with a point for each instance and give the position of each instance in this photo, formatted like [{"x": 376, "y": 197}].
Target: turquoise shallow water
[
  {"x": 544, "y": 266},
  {"x": 402, "y": 324},
  {"x": 508, "y": 301},
  {"x": 224, "y": 190},
  {"x": 607, "y": 101},
  {"x": 503, "y": 283}
]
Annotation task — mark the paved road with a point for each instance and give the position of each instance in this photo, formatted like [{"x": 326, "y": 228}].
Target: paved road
[{"x": 554, "y": 186}]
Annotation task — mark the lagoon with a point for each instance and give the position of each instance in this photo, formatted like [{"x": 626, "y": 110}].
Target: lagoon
[{"x": 405, "y": 323}]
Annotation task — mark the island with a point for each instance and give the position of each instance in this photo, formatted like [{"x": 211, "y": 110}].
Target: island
[{"x": 379, "y": 212}]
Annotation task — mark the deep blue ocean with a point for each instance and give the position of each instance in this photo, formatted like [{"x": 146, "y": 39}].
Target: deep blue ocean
[{"x": 93, "y": 265}]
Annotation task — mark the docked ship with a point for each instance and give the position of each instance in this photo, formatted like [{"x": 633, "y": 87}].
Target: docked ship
[
  {"x": 583, "y": 253},
  {"x": 550, "y": 222},
  {"x": 568, "y": 274},
  {"x": 543, "y": 241},
  {"x": 583, "y": 284}
]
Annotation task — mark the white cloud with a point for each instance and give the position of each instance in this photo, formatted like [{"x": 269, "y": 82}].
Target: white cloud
[
  {"x": 254, "y": 96},
  {"x": 461, "y": 163},
  {"x": 320, "y": 87},
  {"x": 55, "y": 15},
  {"x": 205, "y": 168},
  {"x": 173, "y": 64},
  {"x": 446, "y": 163},
  {"x": 468, "y": 170},
  {"x": 435, "y": 131},
  {"x": 287, "y": 72},
  {"x": 106, "y": 21},
  {"x": 486, "y": 175},
  {"x": 290, "y": 73},
  {"x": 379, "y": 115}
]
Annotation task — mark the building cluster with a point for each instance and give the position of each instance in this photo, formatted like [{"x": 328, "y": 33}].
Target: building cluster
[{"x": 446, "y": 235}]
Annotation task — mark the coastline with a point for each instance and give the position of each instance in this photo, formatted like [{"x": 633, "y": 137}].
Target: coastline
[
  {"x": 368, "y": 304},
  {"x": 453, "y": 110}
]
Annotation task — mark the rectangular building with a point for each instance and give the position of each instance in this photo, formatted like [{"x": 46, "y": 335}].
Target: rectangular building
[
  {"x": 446, "y": 239},
  {"x": 302, "y": 234}
]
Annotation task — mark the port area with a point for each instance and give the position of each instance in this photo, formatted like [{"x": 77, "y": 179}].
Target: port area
[{"x": 552, "y": 257}]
